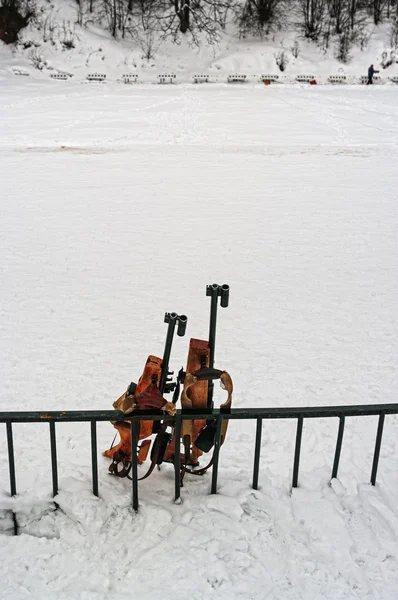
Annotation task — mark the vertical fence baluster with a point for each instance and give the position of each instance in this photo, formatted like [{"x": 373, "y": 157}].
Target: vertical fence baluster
[
  {"x": 297, "y": 451},
  {"x": 11, "y": 465},
  {"x": 217, "y": 443},
  {"x": 94, "y": 461},
  {"x": 338, "y": 446},
  {"x": 53, "y": 444},
  {"x": 11, "y": 459},
  {"x": 377, "y": 449},
  {"x": 177, "y": 459},
  {"x": 257, "y": 453},
  {"x": 135, "y": 424}
]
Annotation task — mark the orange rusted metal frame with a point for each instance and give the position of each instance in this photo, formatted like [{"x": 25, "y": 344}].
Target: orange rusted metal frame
[{"x": 153, "y": 367}]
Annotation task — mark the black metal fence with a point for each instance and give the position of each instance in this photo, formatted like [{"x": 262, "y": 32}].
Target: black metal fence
[{"x": 258, "y": 414}]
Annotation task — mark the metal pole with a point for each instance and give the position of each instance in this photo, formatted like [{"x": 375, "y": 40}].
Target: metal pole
[
  {"x": 257, "y": 453},
  {"x": 213, "y": 291},
  {"x": 94, "y": 463},
  {"x": 177, "y": 459},
  {"x": 338, "y": 446},
  {"x": 53, "y": 444},
  {"x": 297, "y": 451},
  {"x": 134, "y": 428},
  {"x": 11, "y": 464},
  {"x": 377, "y": 448},
  {"x": 11, "y": 459},
  {"x": 171, "y": 319},
  {"x": 213, "y": 323},
  {"x": 216, "y": 453}
]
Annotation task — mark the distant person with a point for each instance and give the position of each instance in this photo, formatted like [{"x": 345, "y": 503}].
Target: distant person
[{"x": 371, "y": 72}]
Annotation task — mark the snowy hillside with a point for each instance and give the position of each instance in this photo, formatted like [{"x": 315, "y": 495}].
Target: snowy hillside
[
  {"x": 120, "y": 203},
  {"x": 60, "y": 38}
]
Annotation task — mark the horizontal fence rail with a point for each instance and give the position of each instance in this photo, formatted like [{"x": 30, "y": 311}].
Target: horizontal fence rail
[
  {"x": 355, "y": 410},
  {"x": 257, "y": 414}
]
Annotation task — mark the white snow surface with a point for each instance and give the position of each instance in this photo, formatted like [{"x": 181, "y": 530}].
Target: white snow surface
[{"x": 120, "y": 203}]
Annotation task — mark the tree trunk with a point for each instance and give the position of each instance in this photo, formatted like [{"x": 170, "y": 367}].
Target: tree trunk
[
  {"x": 114, "y": 19},
  {"x": 183, "y": 13}
]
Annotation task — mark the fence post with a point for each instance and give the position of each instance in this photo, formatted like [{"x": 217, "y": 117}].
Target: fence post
[
  {"x": 53, "y": 444},
  {"x": 297, "y": 451},
  {"x": 11, "y": 465},
  {"x": 257, "y": 453},
  {"x": 94, "y": 462},
  {"x": 377, "y": 448},
  {"x": 338, "y": 446},
  {"x": 134, "y": 460},
  {"x": 216, "y": 454},
  {"x": 177, "y": 459}
]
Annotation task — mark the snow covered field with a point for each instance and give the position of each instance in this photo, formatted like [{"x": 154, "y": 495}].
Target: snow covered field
[{"x": 120, "y": 203}]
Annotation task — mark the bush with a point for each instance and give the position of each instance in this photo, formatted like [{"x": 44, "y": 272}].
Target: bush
[
  {"x": 388, "y": 58},
  {"x": 281, "y": 59},
  {"x": 14, "y": 16},
  {"x": 68, "y": 36},
  {"x": 295, "y": 49},
  {"x": 36, "y": 58}
]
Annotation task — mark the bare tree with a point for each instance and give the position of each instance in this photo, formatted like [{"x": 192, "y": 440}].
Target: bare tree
[
  {"x": 143, "y": 25},
  {"x": 378, "y": 9},
  {"x": 339, "y": 14},
  {"x": 117, "y": 15},
  {"x": 261, "y": 16},
  {"x": 344, "y": 45},
  {"x": 353, "y": 7},
  {"x": 86, "y": 13},
  {"x": 182, "y": 9},
  {"x": 394, "y": 35},
  {"x": 68, "y": 35},
  {"x": 49, "y": 28},
  {"x": 314, "y": 17},
  {"x": 198, "y": 17},
  {"x": 295, "y": 49}
]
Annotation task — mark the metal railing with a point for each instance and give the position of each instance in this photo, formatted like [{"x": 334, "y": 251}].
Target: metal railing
[{"x": 258, "y": 414}]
